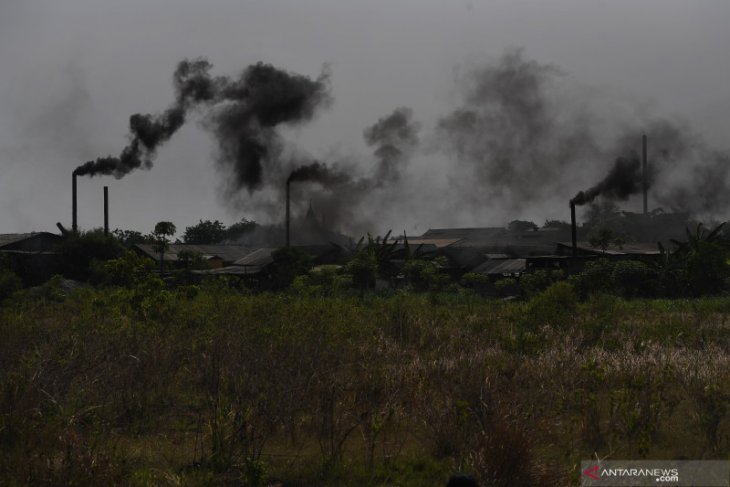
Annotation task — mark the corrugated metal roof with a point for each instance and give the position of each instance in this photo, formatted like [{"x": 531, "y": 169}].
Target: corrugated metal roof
[
  {"x": 228, "y": 253},
  {"x": 11, "y": 238},
  {"x": 461, "y": 233},
  {"x": 258, "y": 258},
  {"x": 503, "y": 266},
  {"x": 496, "y": 256},
  {"x": 634, "y": 248},
  {"x": 436, "y": 242},
  {"x": 231, "y": 270}
]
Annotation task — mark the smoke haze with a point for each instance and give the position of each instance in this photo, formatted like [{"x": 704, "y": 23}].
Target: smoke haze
[{"x": 511, "y": 144}]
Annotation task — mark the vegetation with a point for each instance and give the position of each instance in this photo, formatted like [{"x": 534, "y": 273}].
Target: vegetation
[
  {"x": 163, "y": 230},
  {"x": 130, "y": 383},
  {"x": 336, "y": 381},
  {"x": 213, "y": 232}
]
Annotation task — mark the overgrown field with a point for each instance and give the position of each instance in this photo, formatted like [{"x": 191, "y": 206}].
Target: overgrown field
[{"x": 207, "y": 386}]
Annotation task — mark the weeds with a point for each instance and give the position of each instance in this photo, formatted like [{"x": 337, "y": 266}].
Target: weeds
[{"x": 348, "y": 391}]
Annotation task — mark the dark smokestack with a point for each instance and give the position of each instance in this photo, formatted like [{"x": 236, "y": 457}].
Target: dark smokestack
[
  {"x": 74, "y": 207},
  {"x": 106, "y": 211},
  {"x": 573, "y": 231},
  {"x": 644, "y": 174},
  {"x": 287, "y": 222}
]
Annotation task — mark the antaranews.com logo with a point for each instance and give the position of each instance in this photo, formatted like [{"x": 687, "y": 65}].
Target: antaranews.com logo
[{"x": 655, "y": 472}]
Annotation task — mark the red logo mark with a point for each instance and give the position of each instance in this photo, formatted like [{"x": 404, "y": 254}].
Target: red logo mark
[{"x": 591, "y": 472}]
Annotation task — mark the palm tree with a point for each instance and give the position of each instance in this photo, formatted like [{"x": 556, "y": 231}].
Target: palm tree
[{"x": 161, "y": 232}]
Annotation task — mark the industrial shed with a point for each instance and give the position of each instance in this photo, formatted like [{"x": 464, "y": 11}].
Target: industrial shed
[
  {"x": 635, "y": 249},
  {"x": 502, "y": 267},
  {"x": 31, "y": 255},
  {"x": 217, "y": 255},
  {"x": 29, "y": 242}
]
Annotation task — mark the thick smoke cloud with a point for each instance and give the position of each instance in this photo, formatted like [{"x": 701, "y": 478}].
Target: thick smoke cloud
[
  {"x": 242, "y": 113},
  {"x": 509, "y": 145},
  {"x": 507, "y": 136},
  {"x": 349, "y": 199},
  {"x": 394, "y": 138},
  {"x": 251, "y": 108},
  {"x": 518, "y": 145},
  {"x": 688, "y": 175},
  {"x": 624, "y": 180},
  {"x": 148, "y": 132},
  {"x": 318, "y": 172}
]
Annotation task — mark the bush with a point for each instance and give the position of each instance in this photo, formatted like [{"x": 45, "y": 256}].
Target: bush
[
  {"x": 554, "y": 305},
  {"x": 324, "y": 280},
  {"x": 632, "y": 278},
  {"x": 594, "y": 278},
  {"x": 130, "y": 270},
  {"x": 9, "y": 283},
  {"x": 477, "y": 282},
  {"x": 289, "y": 262},
  {"x": 363, "y": 268},
  {"x": 426, "y": 275},
  {"x": 535, "y": 282},
  {"x": 507, "y": 287},
  {"x": 79, "y": 251}
]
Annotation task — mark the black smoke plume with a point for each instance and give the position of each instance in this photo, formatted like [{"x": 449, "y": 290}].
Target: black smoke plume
[
  {"x": 251, "y": 108},
  {"x": 346, "y": 196},
  {"x": 148, "y": 132},
  {"x": 319, "y": 173},
  {"x": 623, "y": 180},
  {"x": 394, "y": 138},
  {"x": 688, "y": 175},
  {"x": 511, "y": 142},
  {"x": 243, "y": 114}
]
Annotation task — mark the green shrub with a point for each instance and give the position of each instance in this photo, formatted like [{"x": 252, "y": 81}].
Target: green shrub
[
  {"x": 426, "y": 275},
  {"x": 535, "y": 282},
  {"x": 595, "y": 278},
  {"x": 554, "y": 305},
  {"x": 477, "y": 282},
  {"x": 9, "y": 283},
  {"x": 507, "y": 287},
  {"x": 130, "y": 270},
  {"x": 289, "y": 262},
  {"x": 363, "y": 268},
  {"x": 632, "y": 278},
  {"x": 79, "y": 251}
]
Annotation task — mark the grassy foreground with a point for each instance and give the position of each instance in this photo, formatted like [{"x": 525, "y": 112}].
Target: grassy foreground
[{"x": 205, "y": 386}]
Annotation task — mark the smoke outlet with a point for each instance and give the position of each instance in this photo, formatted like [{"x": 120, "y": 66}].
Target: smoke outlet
[
  {"x": 573, "y": 229},
  {"x": 74, "y": 206},
  {"x": 106, "y": 211},
  {"x": 644, "y": 175},
  {"x": 287, "y": 223}
]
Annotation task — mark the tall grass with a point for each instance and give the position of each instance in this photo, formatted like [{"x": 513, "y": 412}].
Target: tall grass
[{"x": 206, "y": 385}]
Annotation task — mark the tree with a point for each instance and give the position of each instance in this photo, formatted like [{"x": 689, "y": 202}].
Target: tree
[
  {"x": 363, "y": 268},
  {"x": 205, "y": 232},
  {"x": 703, "y": 260},
  {"x": 161, "y": 232},
  {"x": 603, "y": 238},
  {"x": 132, "y": 237},
  {"x": 239, "y": 229},
  {"x": 289, "y": 262},
  {"x": 79, "y": 250}
]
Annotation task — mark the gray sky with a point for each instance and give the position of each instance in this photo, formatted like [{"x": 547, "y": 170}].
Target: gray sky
[{"x": 72, "y": 71}]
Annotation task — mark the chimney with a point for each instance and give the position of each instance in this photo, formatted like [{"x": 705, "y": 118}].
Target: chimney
[
  {"x": 287, "y": 223},
  {"x": 644, "y": 175},
  {"x": 573, "y": 230},
  {"x": 106, "y": 211},
  {"x": 74, "y": 208}
]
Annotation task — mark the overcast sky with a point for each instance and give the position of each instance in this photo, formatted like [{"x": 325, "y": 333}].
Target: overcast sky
[{"x": 72, "y": 71}]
